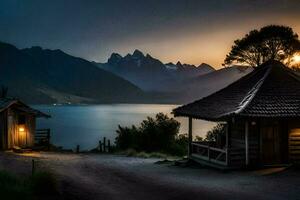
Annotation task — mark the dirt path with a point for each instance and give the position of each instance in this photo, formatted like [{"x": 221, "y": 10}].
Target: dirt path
[{"x": 115, "y": 177}]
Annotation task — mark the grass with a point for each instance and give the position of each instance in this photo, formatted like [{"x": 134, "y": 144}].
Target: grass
[
  {"x": 38, "y": 186},
  {"x": 142, "y": 154}
]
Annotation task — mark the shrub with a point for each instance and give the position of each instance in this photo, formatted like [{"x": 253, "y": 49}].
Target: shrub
[
  {"x": 41, "y": 184},
  {"x": 159, "y": 134},
  {"x": 12, "y": 187},
  {"x": 217, "y": 131}
]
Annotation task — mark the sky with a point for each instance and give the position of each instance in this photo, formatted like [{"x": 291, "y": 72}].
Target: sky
[{"x": 190, "y": 31}]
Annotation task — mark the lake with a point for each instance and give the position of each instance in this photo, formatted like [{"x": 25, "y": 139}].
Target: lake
[{"x": 85, "y": 125}]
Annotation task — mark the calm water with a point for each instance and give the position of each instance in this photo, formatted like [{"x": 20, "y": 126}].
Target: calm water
[{"x": 85, "y": 125}]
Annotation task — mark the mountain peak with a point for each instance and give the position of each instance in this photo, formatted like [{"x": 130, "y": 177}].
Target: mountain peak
[
  {"x": 137, "y": 53},
  {"x": 178, "y": 63},
  {"x": 114, "y": 59},
  {"x": 36, "y": 48},
  {"x": 205, "y": 65}
]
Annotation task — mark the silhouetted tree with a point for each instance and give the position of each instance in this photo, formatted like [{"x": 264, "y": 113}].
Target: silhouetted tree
[
  {"x": 3, "y": 91},
  {"x": 217, "y": 131},
  {"x": 153, "y": 134},
  {"x": 271, "y": 42}
]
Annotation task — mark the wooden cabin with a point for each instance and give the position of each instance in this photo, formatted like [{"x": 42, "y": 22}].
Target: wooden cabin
[
  {"x": 17, "y": 124},
  {"x": 261, "y": 114}
]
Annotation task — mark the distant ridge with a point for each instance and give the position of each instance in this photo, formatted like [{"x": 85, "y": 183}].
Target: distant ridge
[
  {"x": 39, "y": 75},
  {"x": 150, "y": 73},
  {"x": 43, "y": 76}
]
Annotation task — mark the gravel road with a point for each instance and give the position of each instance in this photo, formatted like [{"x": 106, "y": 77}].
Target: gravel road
[{"x": 112, "y": 177}]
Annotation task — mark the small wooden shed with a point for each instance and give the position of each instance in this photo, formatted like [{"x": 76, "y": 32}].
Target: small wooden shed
[
  {"x": 261, "y": 113},
  {"x": 17, "y": 124}
]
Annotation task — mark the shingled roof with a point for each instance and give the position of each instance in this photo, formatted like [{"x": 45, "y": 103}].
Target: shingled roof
[
  {"x": 271, "y": 90},
  {"x": 18, "y": 105}
]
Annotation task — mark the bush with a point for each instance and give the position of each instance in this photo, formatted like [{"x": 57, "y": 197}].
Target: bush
[
  {"x": 41, "y": 184},
  {"x": 159, "y": 134},
  {"x": 13, "y": 188},
  {"x": 217, "y": 131}
]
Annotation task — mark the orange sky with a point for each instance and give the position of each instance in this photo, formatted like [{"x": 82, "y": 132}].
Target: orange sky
[
  {"x": 197, "y": 46},
  {"x": 190, "y": 31}
]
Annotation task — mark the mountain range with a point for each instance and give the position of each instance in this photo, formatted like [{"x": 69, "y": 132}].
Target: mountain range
[
  {"x": 39, "y": 75},
  {"x": 175, "y": 83},
  {"x": 42, "y": 76},
  {"x": 149, "y": 73}
]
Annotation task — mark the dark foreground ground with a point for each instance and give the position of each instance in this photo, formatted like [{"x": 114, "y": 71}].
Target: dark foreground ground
[{"x": 116, "y": 177}]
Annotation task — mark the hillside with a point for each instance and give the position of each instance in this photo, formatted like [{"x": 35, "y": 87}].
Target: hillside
[
  {"x": 205, "y": 85},
  {"x": 39, "y": 75}
]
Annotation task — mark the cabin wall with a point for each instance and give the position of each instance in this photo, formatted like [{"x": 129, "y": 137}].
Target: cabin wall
[
  {"x": 18, "y": 138},
  {"x": 31, "y": 127},
  {"x": 237, "y": 147},
  {"x": 236, "y": 143},
  {"x": 254, "y": 142},
  {"x": 274, "y": 141},
  {"x": 294, "y": 141},
  {"x": 3, "y": 130}
]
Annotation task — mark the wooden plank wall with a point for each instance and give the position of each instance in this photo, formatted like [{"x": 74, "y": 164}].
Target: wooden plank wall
[
  {"x": 294, "y": 145},
  {"x": 3, "y": 130},
  {"x": 237, "y": 143},
  {"x": 237, "y": 156},
  {"x": 31, "y": 126},
  {"x": 254, "y": 142},
  {"x": 12, "y": 121},
  {"x": 14, "y": 138}
]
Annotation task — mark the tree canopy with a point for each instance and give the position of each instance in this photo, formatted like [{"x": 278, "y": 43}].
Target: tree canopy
[
  {"x": 271, "y": 42},
  {"x": 159, "y": 134}
]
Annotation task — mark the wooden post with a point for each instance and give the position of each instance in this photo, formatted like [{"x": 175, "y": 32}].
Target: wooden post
[
  {"x": 247, "y": 142},
  {"x": 77, "y": 148},
  {"x": 227, "y": 135},
  {"x": 100, "y": 146},
  {"x": 33, "y": 167},
  {"x": 260, "y": 144},
  {"x": 104, "y": 144},
  {"x": 190, "y": 136},
  {"x": 48, "y": 139},
  {"x": 208, "y": 152},
  {"x": 108, "y": 145},
  {"x": 227, "y": 141}
]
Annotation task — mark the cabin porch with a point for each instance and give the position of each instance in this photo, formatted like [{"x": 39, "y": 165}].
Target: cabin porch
[{"x": 249, "y": 143}]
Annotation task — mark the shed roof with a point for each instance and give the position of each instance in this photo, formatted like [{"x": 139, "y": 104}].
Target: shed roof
[
  {"x": 18, "y": 105},
  {"x": 271, "y": 90}
]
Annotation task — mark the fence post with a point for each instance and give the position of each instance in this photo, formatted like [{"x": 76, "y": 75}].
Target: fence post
[
  {"x": 48, "y": 138},
  {"x": 33, "y": 167},
  {"x": 226, "y": 156},
  {"x": 100, "y": 146},
  {"x": 104, "y": 144},
  {"x": 208, "y": 152},
  {"x": 108, "y": 145},
  {"x": 77, "y": 148}
]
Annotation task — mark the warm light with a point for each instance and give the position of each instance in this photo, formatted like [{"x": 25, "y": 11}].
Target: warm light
[
  {"x": 296, "y": 59},
  {"x": 21, "y": 129}
]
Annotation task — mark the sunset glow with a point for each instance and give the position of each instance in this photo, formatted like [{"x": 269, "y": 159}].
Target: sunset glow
[
  {"x": 188, "y": 31},
  {"x": 296, "y": 59}
]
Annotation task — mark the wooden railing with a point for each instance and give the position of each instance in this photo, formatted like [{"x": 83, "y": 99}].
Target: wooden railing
[
  {"x": 212, "y": 154},
  {"x": 42, "y": 138}
]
